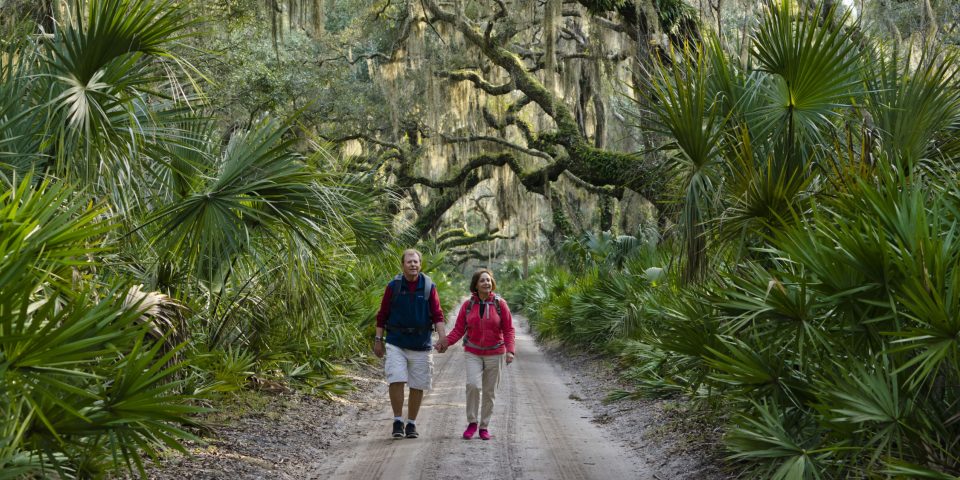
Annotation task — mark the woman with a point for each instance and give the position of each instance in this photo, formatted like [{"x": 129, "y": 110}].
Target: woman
[{"x": 486, "y": 326}]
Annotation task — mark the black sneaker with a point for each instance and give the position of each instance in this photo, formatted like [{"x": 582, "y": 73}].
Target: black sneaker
[
  {"x": 397, "y": 429},
  {"x": 411, "y": 431}
]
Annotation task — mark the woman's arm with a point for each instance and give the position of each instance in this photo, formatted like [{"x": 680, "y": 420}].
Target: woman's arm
[
  {"x": 460, "y": 327},
  {"x": 506, "y": 325}
]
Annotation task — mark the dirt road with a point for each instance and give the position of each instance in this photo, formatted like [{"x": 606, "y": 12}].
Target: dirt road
[{"x": 539, "y": 432}]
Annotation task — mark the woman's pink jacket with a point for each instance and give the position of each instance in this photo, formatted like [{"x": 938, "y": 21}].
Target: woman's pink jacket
[{"x": 487, "y": 331}]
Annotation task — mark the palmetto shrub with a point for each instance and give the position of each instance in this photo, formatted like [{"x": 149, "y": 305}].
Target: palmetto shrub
[
  {"x": 238, "y": 244},
  {"x": 835, "y": 347},
  {"x": 599, "y": 302},
  {"x": 829, "y": 335},
  {"x": 82, "y": 383},
  {"x": 817, "y": 305},
  {"x": 845, "y": 357}
]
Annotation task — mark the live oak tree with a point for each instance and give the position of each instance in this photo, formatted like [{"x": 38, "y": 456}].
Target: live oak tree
[
  {"x": 526, "y": 111},
  {"x": 533, "y": 96}
]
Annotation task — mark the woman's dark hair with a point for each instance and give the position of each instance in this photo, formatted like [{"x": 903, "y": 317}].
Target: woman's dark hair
[{"x": 476, "y": 279}]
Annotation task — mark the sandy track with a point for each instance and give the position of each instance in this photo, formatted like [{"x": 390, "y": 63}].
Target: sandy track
[{"x": 539, "y": 432}]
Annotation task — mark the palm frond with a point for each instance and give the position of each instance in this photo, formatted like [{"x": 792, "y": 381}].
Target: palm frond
[
  {"x": 907, "y": 470},
  {"x": 912, "y": 105},
  {"x": 816, "y": 72},
  {"x": 781, "y": 447},
  {"x": 99, "y": 71},
  {"x": 686, "y": 108}
]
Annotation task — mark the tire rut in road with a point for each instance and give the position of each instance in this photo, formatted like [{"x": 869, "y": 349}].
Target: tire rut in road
[
  {"x": 509, "y": 467},
  {"x": 416, "y": 458},
  {"x": 552, "y": 434},
  {"x": 374, "y": 454},
  {"x": 440, "y": 409}
]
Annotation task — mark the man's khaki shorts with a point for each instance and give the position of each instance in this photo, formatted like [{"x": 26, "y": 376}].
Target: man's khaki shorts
[{"x": 414, "y": 367}]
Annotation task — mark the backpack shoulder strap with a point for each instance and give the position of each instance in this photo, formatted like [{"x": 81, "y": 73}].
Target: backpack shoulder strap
[
  {"x": 427, "y": 285},
  {"x": 496, "y": 302},
  {"x": 398, "y": 280},
  {"x": 396, "y": 285}
]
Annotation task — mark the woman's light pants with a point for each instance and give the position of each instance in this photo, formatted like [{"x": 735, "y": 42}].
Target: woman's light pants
[{"x": 483, "y": 372}]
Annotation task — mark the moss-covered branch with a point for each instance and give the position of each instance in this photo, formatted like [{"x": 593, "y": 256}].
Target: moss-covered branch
[
  {"x": 595, "y": 166},
  {"x": 499, "y": 141},
  {"x": 478, "y": 81},
  {"x": 463, "y": 256},
  {"x": 467, "y": 239},
  {"x": 431, "y": 214},
  {"x": 533, "y": 180}
]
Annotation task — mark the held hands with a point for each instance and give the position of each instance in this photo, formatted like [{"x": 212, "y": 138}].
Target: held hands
[{"x": 442, "y": 344}]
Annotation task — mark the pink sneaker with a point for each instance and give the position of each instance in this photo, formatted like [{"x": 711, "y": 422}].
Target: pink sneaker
[
  {"x": 484, "y": 434},
  {"x": 471, "y": 429}
]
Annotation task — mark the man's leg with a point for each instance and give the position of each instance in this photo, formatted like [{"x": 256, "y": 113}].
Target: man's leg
[
  {"x": 396, "y": 370},
  {"x": 420, "y": 370},
  {"x": 416, "y": 396},
  {"x": 396, "y": 398}
]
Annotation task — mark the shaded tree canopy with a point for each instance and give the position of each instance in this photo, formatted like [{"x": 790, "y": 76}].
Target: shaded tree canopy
[
  {"x": 531, "y": 106},
  {"x": 523, "y": 93}
]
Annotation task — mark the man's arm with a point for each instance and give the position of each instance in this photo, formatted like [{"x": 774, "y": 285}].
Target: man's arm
[
  {"x": 439, "y": 324},
  {"x": 384, "y": 313},
  {"x": 441, "y": 329},
  {"x": 379, "y": 342}
]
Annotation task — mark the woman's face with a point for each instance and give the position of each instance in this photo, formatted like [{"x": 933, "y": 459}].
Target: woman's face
[{"x": 484, "y": 284}]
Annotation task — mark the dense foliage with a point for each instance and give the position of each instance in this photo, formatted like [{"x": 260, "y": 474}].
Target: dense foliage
[
  {"x": 150, "y": 258},
  {"x": 165, "y": 239},
  {"x": 810, "y": 293}
]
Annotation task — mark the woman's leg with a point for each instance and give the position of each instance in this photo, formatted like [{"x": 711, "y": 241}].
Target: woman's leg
[
  {"x": 474, "y": 364},
  {"x": 491, "y": 380}
]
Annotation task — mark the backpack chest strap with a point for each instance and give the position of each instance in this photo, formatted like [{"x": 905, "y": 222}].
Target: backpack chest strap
[
  {"x": 496, "y": 302},
  {"x": 478, "y": 347}
]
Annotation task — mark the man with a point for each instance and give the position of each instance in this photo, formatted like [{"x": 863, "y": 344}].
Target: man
[{"x": 409, "y": 312}]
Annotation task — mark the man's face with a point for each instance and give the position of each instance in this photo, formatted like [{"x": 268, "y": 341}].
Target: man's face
[{"x": 411, "y": 265}]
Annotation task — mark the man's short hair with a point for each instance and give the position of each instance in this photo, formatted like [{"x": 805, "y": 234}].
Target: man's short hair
[{"x": 403, "y": 256}]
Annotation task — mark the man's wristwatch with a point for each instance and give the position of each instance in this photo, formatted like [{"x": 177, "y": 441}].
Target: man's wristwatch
[{"x": 377, "y": 339}]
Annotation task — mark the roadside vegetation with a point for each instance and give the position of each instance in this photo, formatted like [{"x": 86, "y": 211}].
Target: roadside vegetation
[
  {"x": 150, "y": 262},
  {"x": 170, "y": 242},
  {"x": 808, "y": 286}
]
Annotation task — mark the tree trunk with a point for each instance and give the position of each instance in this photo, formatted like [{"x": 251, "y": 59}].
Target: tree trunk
[
  {"x": 930, "y": 21},
  {"x": 551, "y": 10},
  {"x": 526, "y": 256},
  {"x": 319, "y": 19},
  {"x": 606, "y": 213},
  {"x": 599, "y": 107}
]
